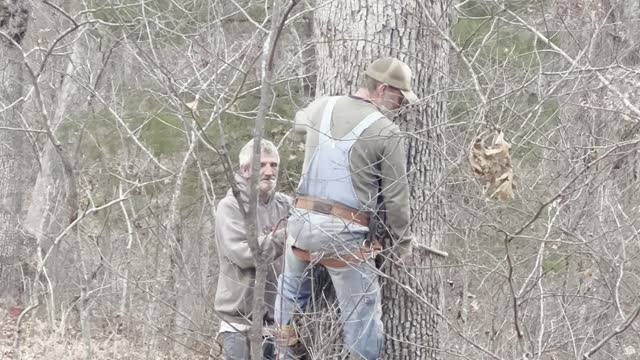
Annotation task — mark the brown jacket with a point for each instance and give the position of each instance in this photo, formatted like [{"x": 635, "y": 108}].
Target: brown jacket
[
  {"x": 234, "y": 295},
  {"x": 377, "y": 154}
]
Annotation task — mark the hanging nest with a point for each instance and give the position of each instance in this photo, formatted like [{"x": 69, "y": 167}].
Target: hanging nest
[{"x": 491, "y": 163}]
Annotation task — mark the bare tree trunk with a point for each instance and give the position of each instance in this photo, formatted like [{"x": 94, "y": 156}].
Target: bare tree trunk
[
  {"x": 279, "y": 17},
  {"x": 16, "y": 154},
  {"x": 350, "y": 35}
]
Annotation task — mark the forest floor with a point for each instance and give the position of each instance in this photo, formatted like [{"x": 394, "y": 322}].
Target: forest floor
[{"x": 38, "y": 341}]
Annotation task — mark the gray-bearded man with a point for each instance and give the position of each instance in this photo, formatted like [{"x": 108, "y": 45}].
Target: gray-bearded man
[{"x": 234, "y": 295}]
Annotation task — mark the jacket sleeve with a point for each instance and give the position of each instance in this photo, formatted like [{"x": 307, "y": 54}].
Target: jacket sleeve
[
  {"x": 301, "y": 122},
  {"x": 231, "y": 234},
  {"x": 307, "y": 118},
  {"x": 395, "y": 191}
]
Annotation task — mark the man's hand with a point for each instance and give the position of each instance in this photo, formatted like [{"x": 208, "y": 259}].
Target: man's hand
[
  {"x": 278, "y": 236},
  {"x": 274, "y": 241},
  {"x": 398, "y": 253}
]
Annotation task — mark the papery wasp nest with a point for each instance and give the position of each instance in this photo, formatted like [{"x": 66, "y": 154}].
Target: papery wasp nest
[{"x": 491, "y": 163}]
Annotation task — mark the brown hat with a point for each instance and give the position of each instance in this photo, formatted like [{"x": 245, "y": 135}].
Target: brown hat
[{"x": 393, "y": 72}]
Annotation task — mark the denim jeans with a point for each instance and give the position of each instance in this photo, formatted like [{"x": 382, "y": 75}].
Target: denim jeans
[
  {"x": 236, "y": 346},
  {"x": 356, "y": 286}
]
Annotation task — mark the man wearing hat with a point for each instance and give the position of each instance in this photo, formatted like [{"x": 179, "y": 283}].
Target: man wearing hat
[{"x": 353, "y": 153}]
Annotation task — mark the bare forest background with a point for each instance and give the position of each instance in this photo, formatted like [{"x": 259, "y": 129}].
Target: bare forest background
[{"x": 116, "y": 116}]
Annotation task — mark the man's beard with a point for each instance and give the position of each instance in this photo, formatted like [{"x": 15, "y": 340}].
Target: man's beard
[
  {"x": 396, "y": 113},
  {"x": 390, "y": 114},
  {"x": 267, "y": 185}
]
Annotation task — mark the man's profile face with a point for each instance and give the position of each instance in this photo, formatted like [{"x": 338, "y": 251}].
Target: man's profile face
[
  {"x": 268, "y": 172},
  {"x": 389, "y": 97},
  {"x": 392, "y": 98}
]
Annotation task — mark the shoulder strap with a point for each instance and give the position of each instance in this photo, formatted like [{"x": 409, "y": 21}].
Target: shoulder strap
[
  {"x": 363, "y": 125},
  {"x": 325, "y": 123}
]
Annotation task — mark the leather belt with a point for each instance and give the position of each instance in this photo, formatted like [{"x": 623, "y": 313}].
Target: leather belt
[
  {"x": 332, "y": 208},
  {"x": 356, "y": 257}
]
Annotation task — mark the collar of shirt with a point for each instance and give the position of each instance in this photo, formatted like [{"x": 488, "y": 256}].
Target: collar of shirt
[{"x": 362, "y": 99}]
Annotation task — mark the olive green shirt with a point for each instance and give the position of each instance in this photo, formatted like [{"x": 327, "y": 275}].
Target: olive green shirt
[{"x": 377, "y": 154}]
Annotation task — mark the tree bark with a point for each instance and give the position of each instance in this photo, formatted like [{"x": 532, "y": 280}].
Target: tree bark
[
  {"x": 16, "y": 154},
  {"x": 350, "y": 35}
]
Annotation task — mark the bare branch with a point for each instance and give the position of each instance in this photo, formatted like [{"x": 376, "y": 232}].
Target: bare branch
[{"x": 618, "y": 330}]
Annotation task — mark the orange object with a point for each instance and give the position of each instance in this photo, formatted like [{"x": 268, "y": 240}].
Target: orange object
[
  {"x": 357, "y": 257},
  {"x": 332, "y": 208}
]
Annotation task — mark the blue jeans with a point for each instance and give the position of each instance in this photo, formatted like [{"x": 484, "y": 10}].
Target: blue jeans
[
  {"x": 236, "y": 346},
  {"x": 356, "y": 286}
]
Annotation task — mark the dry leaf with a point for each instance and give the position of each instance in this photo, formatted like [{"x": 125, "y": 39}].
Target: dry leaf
[
  {"x": 492, "y": 164},
  {"x": 475, "y": 305},
  {"x": 504, "y": 191}
]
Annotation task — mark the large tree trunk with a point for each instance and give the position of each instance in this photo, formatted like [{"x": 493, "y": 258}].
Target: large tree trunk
[
  {"x": 350, "y": 35},
  {"x": 16, "y": 154}
]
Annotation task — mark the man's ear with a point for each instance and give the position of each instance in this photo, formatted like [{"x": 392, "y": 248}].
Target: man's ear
[{"x": 380, "y": 90}]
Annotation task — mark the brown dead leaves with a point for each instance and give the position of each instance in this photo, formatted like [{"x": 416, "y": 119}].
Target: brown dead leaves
[{"x": 490, "y": 161}]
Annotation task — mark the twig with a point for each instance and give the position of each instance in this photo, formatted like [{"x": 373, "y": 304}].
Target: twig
[
  {"x": 23, "y": 129},
  {"x": 431, "y": 250},
  {"x": 622, "y": 327},
  {"x": 514, "y": 296},
  {"x": 19, "y": 331},
  {"x": 635, "y": 111},
  {"x": 61, "y": 11}
]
